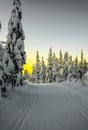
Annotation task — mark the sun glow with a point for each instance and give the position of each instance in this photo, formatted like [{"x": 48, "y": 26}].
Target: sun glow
[{"x": 28, "y": 67}]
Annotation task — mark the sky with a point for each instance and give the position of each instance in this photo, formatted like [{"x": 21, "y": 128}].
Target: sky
[{"x": 60, "y": 24}]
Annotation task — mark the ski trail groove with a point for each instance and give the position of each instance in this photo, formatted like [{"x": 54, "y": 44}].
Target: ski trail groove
[
  {"x": 20, "y": 118},
  {"x": 82, "y": 110}
]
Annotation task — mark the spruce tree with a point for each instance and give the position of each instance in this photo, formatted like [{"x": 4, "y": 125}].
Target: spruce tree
[
  {"x": 56, "y": 70},
  {"x": 33, "y": 74},
  {"x": 37, "y": 68},
  {"x": 81, "y": 62},
  {"x": 76, "y": 61},
  {"x": 66, "y": 57},
  {"x": 73, "y": 71},
  {"x": 85, "y": 68},
  {"x": 60, "y": 59},
  {"x": 82, "y": 56},
  {"x": 50, "y": 67},
  {"x": 64, "y": 69},
  {"x": 43, "y": 71},
  {"x": 15, "y": 42},
  {"x": 53, "y": 57},
  {"x": 70, "y": 59}
]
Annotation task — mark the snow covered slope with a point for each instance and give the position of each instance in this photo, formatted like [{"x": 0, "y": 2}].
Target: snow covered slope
[{"x": 56, "y": 106}]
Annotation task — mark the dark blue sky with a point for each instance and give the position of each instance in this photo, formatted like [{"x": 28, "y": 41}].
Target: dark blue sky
[{"x": 62, "y": 24}]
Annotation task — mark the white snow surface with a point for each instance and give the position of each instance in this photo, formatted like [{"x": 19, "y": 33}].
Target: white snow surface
[{"x": 55, "y": 106}]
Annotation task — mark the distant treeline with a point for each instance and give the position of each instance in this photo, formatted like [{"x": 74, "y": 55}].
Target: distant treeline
[{"x": 58, "y": 68}]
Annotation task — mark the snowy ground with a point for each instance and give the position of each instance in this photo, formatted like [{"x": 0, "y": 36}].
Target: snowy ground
[{"x": 61, "y": 106}]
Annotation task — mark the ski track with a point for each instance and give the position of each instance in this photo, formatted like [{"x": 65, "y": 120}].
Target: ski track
[
  {"x": 28, "y": 102},
  {"x": 20, "y": 118},
  {"x": 82, "y": 110}
]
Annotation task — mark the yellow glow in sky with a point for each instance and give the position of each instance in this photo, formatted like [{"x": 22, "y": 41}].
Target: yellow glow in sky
[{"x": 28, "y": 66}]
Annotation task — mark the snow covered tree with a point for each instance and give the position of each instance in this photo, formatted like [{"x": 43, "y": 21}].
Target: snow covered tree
[
  {"x": 66, "y": 57},
  {"x": 50, "y": 67},
  {"x": 55, "y": 67},
  {"x": 82, "y": 56},
  {"x": 76, "y": 61},
  {"x": 56, "y": 70},
  {"x": 70, "y": 59},
  {"x": 15, "y": 54},
  {"x": 85, "y": 68},
  {"x": 75, "y": 69},
  {"x": 81, "y": 62},
  {"x": 43, "y": 71},
  {"x": 53, "y": 57},
  {"x": 64, "y": 72},
  {"x": 33, "y": 77},
  {"x": 64, "y": 69},
  {"x": 73, "y": 72},
  {"x": 37, "y": 68},
  {"x": 60, "y": 59},
  {"x": 2, "y": 76},
  {"x": 1, "y": 64}
]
